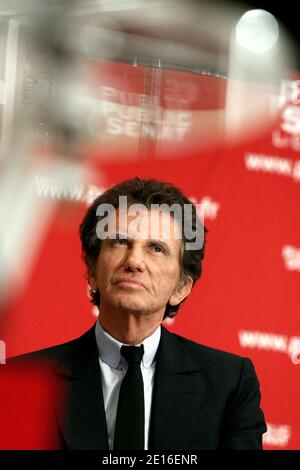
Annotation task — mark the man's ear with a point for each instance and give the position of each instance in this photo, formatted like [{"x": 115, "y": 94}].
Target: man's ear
[
  {"x": 181, "y": 291},
  {"x": 90, "y": 273}
]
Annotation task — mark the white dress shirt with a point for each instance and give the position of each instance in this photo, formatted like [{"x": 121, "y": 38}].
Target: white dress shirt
[{"x": 113, "y": 368}]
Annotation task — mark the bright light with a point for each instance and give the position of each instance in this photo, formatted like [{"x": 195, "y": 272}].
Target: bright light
[{"x": 257, "y": 31}]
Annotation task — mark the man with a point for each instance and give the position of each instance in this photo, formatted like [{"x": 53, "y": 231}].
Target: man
[{"x": 142, "y": 262}]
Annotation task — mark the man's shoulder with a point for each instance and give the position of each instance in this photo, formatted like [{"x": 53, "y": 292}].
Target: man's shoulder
[
  {"x": 212, "y": 361},
  {"x": 199, "y": 348}
]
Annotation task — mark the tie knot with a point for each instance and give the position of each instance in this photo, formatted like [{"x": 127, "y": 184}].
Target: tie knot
[{"x": 133, "y": 354}]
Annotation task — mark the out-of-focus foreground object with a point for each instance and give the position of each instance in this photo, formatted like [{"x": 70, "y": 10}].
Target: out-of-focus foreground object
[{"x": 60, "y": 97}]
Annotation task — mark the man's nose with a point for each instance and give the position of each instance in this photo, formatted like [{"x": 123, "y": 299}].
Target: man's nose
[{"x": 135, "y": 259}]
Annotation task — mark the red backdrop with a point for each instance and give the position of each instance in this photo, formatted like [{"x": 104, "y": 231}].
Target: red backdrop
[{"x": 248, "y": 298}]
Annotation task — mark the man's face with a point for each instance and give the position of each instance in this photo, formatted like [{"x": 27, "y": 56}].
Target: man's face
[{"x": 139, "y": 274}]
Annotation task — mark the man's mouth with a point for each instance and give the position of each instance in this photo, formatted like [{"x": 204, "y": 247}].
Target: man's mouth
[{"x": 131, "y": 282}]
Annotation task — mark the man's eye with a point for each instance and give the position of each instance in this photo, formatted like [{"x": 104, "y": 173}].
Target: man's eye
[
  {"x": 158, "y": 248},
  {"x": 122, "y": 241},
  {"x": 119, "y": 241}
]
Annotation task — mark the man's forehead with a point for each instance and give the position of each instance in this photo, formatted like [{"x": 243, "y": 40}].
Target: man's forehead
[{"x": 148, "y": 224}]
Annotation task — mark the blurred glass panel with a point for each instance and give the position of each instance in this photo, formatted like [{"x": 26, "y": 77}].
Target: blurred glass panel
[{"x": 122, "y": 80}]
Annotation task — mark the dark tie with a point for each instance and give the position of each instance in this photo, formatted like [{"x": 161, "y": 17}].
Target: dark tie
[{"x": 130, "y": 420}]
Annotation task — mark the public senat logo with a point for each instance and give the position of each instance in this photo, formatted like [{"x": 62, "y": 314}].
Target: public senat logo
[
  {"x": 271, "y": 342},
  {"x": 287, "y": 135},
  {"x": 278, "y": 435},
  {"x": 291, "y": 257},
  {"x": 121, "y": 113}
]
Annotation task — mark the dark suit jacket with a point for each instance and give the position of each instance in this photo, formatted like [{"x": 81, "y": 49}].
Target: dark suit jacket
[{"x": 203, "y": 398}]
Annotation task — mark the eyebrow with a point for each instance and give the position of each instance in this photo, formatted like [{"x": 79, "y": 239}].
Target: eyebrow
[{"x": 118, "y": 236}]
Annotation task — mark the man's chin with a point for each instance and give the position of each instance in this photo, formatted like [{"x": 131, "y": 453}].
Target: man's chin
[{"x": 132, "y": 308}]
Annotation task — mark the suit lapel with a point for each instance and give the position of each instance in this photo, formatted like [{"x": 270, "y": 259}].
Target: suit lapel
[
  {"x": 81, "y": 412},
  {"x": 177, "y": 395}
]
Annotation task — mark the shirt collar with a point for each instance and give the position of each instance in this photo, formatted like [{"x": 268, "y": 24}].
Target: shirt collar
[{"x": 109, "y": 347}]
